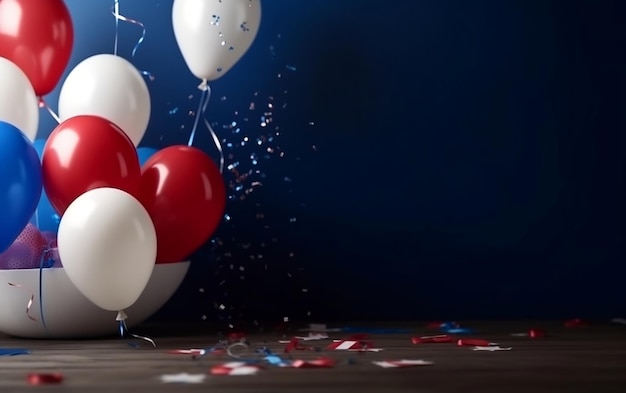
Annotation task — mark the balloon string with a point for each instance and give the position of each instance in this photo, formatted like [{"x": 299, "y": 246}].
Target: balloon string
[
  {"x": 205, "y": 97},
  {"x": 124, "y": 330},
  {"x": 42, "y": 264},
  {"x": 119, "y": 17},
  {"x": 44, "y": 104},
  {"x": 116, "y": 12},
  {"x": 37, "y": 218}
]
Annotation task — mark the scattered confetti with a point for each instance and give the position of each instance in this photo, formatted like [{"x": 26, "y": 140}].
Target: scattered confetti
[
  {"x": 473, "y": 343},
  {"x": 13, "y": 351},
  {"x": 344, "y": 345},
  {"x": 441, "y": 338},
  {"x": 458, "y": 331},
  {"x": 235, "y": 368},
  {"x": 192, "y": 352},
  {"x": 183, "y": 378},
  {"x": 402, "y": 363},
  {"x": 317, "y": 363},
  {"x": 44, "y": 379},
  {"x": 249, "y": 130},
  {"x": 491, "y": 348}
]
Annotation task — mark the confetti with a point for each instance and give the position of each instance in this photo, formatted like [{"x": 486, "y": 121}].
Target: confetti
[
  {"x": 182, "y": 378},
  {"x": 473, "y": 343},
  {"x": 13, "y": 351},
  {"x": 402, "y": 363},
  {"x": 441, "y": 338},
  {"x": 491, "y": 348},
  {"x": 458, "y": 331},
  {"x": 250, "y": 130},
  {"x": 192, "y": 352},
  {"x": 44, "y": 378},
  {"x": 317, "y": 363},
  {"x": 235, "y": 368}
]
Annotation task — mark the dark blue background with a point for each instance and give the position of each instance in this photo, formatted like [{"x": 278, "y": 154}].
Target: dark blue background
[{"x": 468, "y": 157}]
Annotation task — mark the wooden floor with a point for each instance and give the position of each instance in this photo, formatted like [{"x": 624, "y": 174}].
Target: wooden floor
[{"x": 591, "y": 360}]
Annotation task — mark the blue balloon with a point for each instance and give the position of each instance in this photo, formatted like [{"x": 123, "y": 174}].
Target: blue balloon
[
  {"x": 20, "y": 182},
  {"x": 45, "y": 218},
  {"x": 144, "y": 153}
]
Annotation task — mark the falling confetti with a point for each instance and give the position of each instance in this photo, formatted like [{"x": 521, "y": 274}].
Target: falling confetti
[{"x": 249, "y": 251}]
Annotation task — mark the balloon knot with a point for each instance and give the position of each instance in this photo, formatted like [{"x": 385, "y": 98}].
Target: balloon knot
[
  {"x": 121, "y": 316},
  {"x": 204, "y": 86}
]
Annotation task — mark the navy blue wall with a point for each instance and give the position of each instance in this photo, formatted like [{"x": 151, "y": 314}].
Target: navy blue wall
[{"x": 443, "y": 158}]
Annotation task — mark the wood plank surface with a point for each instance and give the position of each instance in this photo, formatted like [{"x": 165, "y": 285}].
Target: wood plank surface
[{"x": 591, "y": 359}]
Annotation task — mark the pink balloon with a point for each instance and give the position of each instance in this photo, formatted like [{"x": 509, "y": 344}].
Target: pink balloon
[{"x": 26, "y": 251}]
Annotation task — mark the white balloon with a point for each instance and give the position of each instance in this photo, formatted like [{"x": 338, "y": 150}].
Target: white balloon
[
  {"x": 111, "y": 87},
  {"x": 108, "y": 246},
  {"x": 18, "y": 102},
  {"x": 213, "y": 35}
]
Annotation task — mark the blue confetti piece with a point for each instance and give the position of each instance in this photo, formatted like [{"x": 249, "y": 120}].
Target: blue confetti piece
[
  {"x": 13, "y": 351},
  {"x": 458, "y": 331},
  {"x": 449, "y": 325},
  {"x": 275, "y": 360}
]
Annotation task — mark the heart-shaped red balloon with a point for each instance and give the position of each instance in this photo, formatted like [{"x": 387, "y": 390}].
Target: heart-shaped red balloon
[
  {"x": 184, "y": 193},
  {"x": 87, "y": 152}
]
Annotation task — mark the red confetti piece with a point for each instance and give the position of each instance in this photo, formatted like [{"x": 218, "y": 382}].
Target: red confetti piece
[
  {"x": 350, "y": 345},
  {"x": 536, "y": 333},
  {"x": 235, "y": 368},
  {"x": 296, "y": 345},
  {"x": 317, "y": 363},
  {"x": 441, "y": 338},
  {"x": 469, "y": 342},
  {"x": 192, "y": 352},
  {"x": 44, "y": 379},
  {"x": 402, "y": 363}
]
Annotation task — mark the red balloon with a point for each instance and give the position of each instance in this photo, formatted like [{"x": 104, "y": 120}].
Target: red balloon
[
  {"x": 87, "y": 152},
  {"x": 38, "y": 37},
  {"x": 184, "y": 193}
]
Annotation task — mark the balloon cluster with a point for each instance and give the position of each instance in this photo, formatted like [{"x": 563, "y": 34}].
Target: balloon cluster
[{"x": 103, "y": 209}]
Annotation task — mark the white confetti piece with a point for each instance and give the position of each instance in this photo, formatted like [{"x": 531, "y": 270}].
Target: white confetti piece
[
  {"x": 182, "y": 378},
  {"x": 492, "y": 348},
  {"x": 403, "y": 363}
]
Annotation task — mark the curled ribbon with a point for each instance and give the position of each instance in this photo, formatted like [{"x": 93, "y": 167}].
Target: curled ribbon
[
  {"x": 115, "y": 10},
  {"x": 121, "y": 318},
  {"x": 204, "y": 102},
  {"x": 45, "y": 262},
  {"x": 30, "y": 300}
]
